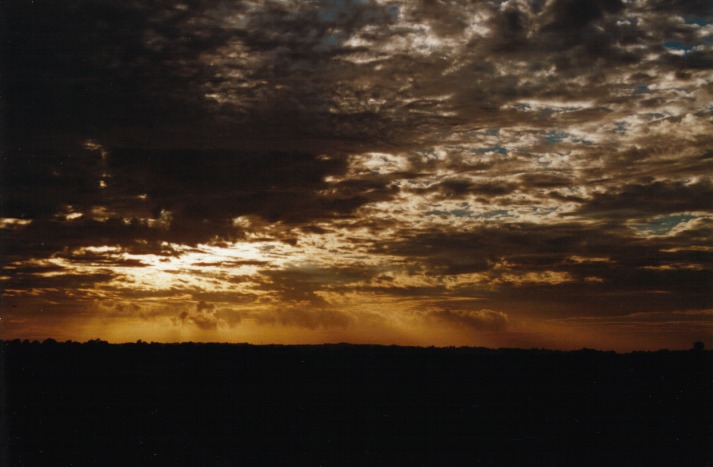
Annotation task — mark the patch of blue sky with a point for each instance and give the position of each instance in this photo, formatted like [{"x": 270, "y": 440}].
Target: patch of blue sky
[
  {"x": 544, "y": 211},
  {"x": 394, "y": 11},
  {"x": 642, "y": 89},
  {"x": 332, "y": 40},
  {"x": 677, "y": 46},
  {"x": 493, "y": 132},
  {"x": 497, "y": 148},
  {"x": 498, "y": 213},
  {"x": 698, "y": 20},
  {"x": 555, "y": 136},
  {"x": 537, "y": 4},
  {"x": 331, "y": 10},
  {"x": 656, "y": 116},
  {"x": 465, "y": 213},
  {"x": 664, "y": 224},
  {"x": 620, "y": 127},
  {"x": 452, "y": 212}
]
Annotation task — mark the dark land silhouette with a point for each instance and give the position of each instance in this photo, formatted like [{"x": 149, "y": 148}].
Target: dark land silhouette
[{"x": 190, "y": 404}]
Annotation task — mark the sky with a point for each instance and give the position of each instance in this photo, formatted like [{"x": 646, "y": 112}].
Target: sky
[{"x": 486, "y": 173}]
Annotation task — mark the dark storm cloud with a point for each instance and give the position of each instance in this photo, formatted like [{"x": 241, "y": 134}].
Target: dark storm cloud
[
  {"x": 39, "y": 283},
  {"x": 458, "y": 188},
  {"x": 491, "y": 242},
  {"x": 543, "y": 245},
  {"x": 135, "y": 77},
  {"x": 299, "y": 284},
  {"x": 599, "y": 263},
  {"x": 204, "y": 190},
  {"x": 571, "y": 36},
  {"x": 44, "y": 238},
  {"x": 641, "y": 162},
  {"x": 545, "y": 180},
  {"x": 560, "y": 28},
  {"x": 40, "y": 182},
  {"x": 80, "y": 66},
  {"x": 656, "y": 197}
]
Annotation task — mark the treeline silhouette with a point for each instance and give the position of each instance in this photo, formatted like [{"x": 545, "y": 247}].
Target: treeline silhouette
[{"x": 192, "y": 404}]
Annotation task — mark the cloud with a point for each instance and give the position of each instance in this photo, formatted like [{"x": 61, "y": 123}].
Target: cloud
[
  {"x": 203, "y": 306},
  {"x": 653, "y": 318},
  {"x": 635, "y": 199},
  {"x": 476, "y": 320},
  {"x": 311, "y": 319},
  {"x": 203, "y": 321},
  {"x": 210, "y": 318},
  {"x": 458, "y": 188}
]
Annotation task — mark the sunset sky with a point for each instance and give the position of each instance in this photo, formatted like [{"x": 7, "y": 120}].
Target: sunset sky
[{"x": 489, "y": 173}]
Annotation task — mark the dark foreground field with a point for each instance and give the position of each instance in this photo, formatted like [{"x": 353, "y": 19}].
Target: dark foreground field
[{"x": 222, "y": 405}]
